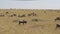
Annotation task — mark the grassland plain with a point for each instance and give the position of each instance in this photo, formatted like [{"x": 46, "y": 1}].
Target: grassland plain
[{"x": 47, "y": 26}]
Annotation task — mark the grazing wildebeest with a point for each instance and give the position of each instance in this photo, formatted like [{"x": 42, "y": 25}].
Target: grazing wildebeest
[
  {"x": 22, "y": 15},
  {"x": 18, "y": 15},
  {"x": 35, "y": 19},
  {"x": 32, "y": 14},
  {"x": 7, "y": 12},
  {"x": 1, "y": 15},
  {"x": 57, "y": 26},
  {"x": 22, "y": 21},
  {"x": 44, "y": 11},
  {"x": 12, "y": 15},
  {"x": 58, "y": 18}
]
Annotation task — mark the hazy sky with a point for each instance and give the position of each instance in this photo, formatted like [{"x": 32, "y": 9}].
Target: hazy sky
[{"x": 36, "y": 4}]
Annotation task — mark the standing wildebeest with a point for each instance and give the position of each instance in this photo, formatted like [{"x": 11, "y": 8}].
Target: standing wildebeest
[
  {"x": 57, "y": 26},
  {"x": 22, "y": 21},
  {"x": 58, "y": 18}
]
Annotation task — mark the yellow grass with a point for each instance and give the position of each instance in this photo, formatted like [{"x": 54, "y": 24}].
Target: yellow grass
[{"x": 47, "y": 26}]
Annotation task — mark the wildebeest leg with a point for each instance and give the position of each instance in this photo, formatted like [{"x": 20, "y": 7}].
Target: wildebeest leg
[
  {"x": 55, "y": 19},
  {"x": 23, "y": 23},
  {"x": 56, "y": 27},
  {"x": 19, "y": 23}
]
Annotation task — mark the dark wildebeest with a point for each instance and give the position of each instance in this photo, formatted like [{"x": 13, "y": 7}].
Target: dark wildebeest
[
  {"x": 7, "y": 12},
  {"x": 22, "y": 21},
  {"x": 57, "y": 26},
  {"x": 58, "y": 18}
]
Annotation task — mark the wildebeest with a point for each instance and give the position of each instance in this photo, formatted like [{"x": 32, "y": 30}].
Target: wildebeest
[
  {"x": 57, "y": 26},
  {"x": 35, "y": 19},
  {"x": 7, "y": 12},
  {"x": 58, "y": 18},
  {"x": 1, "y": 15},
  {"x": 32, "y": 14},
  {"x": 44, "y": 11},
  {"x": 22, "y": 21},
  {"x": 12, "y": 15},
  {"x": 22, "y": 15}
]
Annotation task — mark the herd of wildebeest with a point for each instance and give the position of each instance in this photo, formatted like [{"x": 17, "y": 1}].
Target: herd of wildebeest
[{"x": 31, "y": 14}]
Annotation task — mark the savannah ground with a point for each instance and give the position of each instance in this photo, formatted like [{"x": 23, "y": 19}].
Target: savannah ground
[{"x": 47, "y": 26}]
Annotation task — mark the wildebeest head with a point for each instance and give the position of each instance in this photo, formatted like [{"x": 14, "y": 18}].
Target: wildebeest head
[
  {"x": 58, "y": 18},
  {"x": 57, "y": 26}
]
